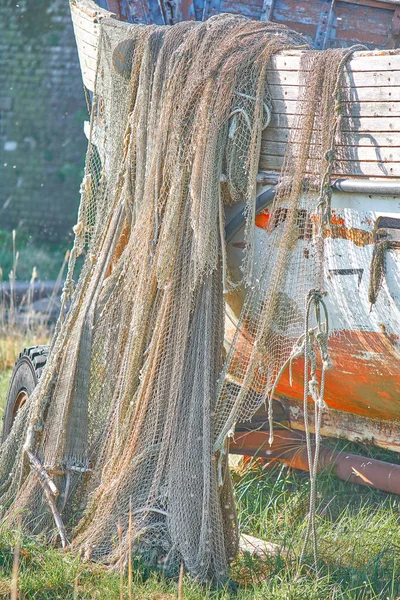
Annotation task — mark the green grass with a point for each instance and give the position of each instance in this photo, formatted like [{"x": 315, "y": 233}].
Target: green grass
[
  {"x": 359, "y": 549},
  {"x": 358, "y": 528},
  {"x": 47, "y": 257}
]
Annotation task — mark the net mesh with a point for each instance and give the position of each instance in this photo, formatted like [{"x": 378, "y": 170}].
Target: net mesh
[{"x": 132, "y": 413}]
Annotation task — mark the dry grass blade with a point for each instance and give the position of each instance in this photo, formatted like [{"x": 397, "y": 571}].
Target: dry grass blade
[
  {"x": 363, "y": 477},
  {"x": 76, "y": 587},
  {"x": 15, "y": 570},
  {"x": 180, "y": 581},
  {"x": 130, "y": 550},
  {"x": 121, "y": 565}
]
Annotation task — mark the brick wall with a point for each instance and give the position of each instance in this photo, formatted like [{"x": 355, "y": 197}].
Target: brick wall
[{"x": 42, "y": 109}]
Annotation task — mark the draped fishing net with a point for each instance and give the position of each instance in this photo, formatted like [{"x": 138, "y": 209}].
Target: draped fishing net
[{"x": 130, "y": 419}]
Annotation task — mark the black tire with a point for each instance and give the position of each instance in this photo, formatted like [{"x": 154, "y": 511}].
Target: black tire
[{"x": 25, "y": 376}]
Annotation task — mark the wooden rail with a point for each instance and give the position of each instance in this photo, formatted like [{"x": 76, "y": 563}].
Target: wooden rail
[{"x": 371, "y": 125}]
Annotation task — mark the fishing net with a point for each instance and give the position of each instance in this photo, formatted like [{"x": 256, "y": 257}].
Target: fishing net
[{"x": 124, "y": 439}]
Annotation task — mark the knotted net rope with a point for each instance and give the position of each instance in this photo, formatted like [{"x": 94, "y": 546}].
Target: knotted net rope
[{"x": 130, "y": 419}]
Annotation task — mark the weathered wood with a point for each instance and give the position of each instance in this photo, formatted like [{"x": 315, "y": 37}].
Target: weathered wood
[
  {"x": 377, "y": 139},
  {"x": 253, "y": 545},
  {"x": 185, "y": 10},
  {"x": 372, "y": 78},
  {"x": 87, "y": 30},
  {"x": 324, "y": 24},
  {"x": 89, "y": 61},
  {"x": 266, "y": 12},
  {"x": 356, "y": 79},
  {"x": 84, "y": 22},
  {"x": 363, "y": 94},
  {"x": 86, "y": 48},
  {"x": 354, "y": 427},
  {"x": 89, "y": 38},
  {"x": 89, "y": 8},
  {"x": 363, "y": 153},
  {"x": 361, "y": 124},
  {"x": 88, "y": 66},
  {"x": 356, "y": 109},
  {"x": 388, "y": 5},
  {"x": 348, "y": 168},
  {"x": 387, "y": 60}
]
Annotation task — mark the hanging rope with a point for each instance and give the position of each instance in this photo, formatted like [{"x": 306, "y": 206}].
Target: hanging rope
[
  {"x": 378, "y": 265},
  {"x": 315, "y": 342}
]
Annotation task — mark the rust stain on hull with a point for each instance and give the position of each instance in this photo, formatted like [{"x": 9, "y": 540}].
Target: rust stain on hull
[
  {"x": 338, "y": 230},
  {"x": 364, "y": 380},
  {"x": 359, "y": 237}
]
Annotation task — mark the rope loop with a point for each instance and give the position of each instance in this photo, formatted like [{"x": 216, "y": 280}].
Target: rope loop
[{"x": 316, "y": 342}]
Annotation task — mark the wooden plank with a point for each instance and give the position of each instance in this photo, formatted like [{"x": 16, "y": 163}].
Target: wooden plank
[
  {"x": 324, "y": 24},
  {"x": 383, "y": 2},
  {"x": 266, "y": 11},
  {"x": 356, "y": 79},
  {"x": 368, "y": 168},
  {"x": 354, "y": 427},
  {"x": 286, "y": 61},
  {"x": 89, "y": 8},
  {"x": 389, "y": 4},
  {"x": 379, "y": 138},
  {"x": 87, "y": 53},
  {"x": 261, "y": 548},
  {"x": 85, "y": 23},
  {"x": 84, "y": 47},
  {"x": 346, "y": 168},
  {"x": 378, "y": 60},
  {"x": 301, "y": 15},
  {"x": 362, "y": 124},
  {"x": 362, "y": 153},
  {"x": 88, "y": 78},
  {"x": 82, "y": 34},
  {"x": 87, "y": 64},
  {"x": 366, "y": 94},
  {"x": 88, "y": 60},
  {"x": 289, "y": 60},
  {"x": 362, "y": 24},
  {"x": 247, "y": 8},
  {"x": 356, "y": 109},
  {"x": 185, "y": 10}
]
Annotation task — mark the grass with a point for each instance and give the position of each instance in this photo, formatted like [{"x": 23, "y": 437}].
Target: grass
[
  {"x": 20, "y": 325},
  {"x": 13, "y": 342},
  {"x": 46, "y": 257},
  {"x": 359, "y": 549},
  {"x": 358, "y": 528},
  {"x": 4, "y": 381}
]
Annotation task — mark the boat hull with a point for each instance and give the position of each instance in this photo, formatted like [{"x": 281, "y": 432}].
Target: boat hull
[
  {"x": 362, "y": 388},
  {"x": 364, "y": 344}
]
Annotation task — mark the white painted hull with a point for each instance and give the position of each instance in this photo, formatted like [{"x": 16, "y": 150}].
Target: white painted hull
[
  {"x": 365, "y": 339},
  {"x": 365, "y": 380}
]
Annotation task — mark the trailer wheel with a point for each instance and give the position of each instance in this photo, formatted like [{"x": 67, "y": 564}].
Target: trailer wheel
[{"x": 25, "y": 376}]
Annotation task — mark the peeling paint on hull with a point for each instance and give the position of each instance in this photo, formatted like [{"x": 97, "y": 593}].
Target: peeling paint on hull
[
  {"x": 365, "y": 342},
  {"x": 364, "y": 379}
]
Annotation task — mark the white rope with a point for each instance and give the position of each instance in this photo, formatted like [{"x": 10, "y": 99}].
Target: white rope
[{"x": 315, "y": 338}]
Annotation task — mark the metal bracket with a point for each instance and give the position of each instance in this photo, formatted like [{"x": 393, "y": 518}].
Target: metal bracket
[
  {"x": 266, "y": 12},
  {"x": 324, "y": 24}
]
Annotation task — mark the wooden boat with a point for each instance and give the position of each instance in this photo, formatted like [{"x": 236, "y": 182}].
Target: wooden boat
[{"x": 363, "y": 388}]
